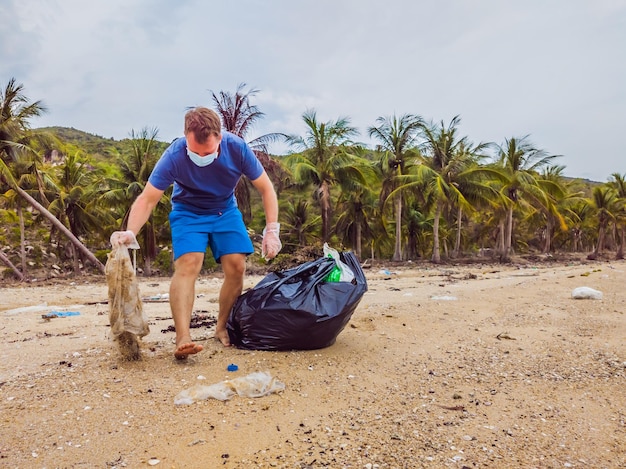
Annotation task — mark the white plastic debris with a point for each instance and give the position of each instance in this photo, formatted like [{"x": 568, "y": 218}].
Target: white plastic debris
[
  {"x": 444, "y": 298},
  {"x": 255, "y": 384},
  {"x": 28, "y": 309},
  {"x": 586, "y": 293}
]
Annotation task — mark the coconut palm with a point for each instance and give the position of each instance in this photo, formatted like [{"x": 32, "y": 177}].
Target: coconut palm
[
  {"x": 9, "y": 218},
  {"x": 75, "y": 201},
  {"x": 473, "y": 183},
  {"x": 26, "y": 168},
  {"x": 324, "y": 159},
  {"x": 15, "y": 112},
  {"x": 582, "y": 221},
  {"x": 419, "y": 228},
  {"x": 397, "y": 139},
  {"x": 136, "y": 167},
  {"x": 618, "y": 183},
  {"x": 450, "y": 174},
  {"x": 519, "y": 163},
  {"x": 17, "y": 157},
  {"x": 356, "y": 205},
  {"x": 556, "y": 205},
  {"x": 298, "y": 223},
  {"x": 239, "y": 117},
  {"x": 606, "y": 203}
]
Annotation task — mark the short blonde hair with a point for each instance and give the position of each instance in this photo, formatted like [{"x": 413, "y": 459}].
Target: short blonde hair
[{"x": 203, "y": 122}]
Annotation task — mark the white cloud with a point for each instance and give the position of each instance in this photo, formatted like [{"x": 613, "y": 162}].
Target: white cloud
[{"x": 549, "y": 69}]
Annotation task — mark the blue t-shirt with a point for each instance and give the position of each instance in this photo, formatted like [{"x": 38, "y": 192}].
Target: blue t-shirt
[{"x": 207, "y": 189}]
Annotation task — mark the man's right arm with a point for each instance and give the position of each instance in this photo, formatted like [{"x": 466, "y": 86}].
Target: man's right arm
[
  {"x": 139, "y": 213},
  {"x": 142, "y": 207}
]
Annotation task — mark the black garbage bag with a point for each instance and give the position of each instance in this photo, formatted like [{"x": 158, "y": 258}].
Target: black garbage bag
[{"x": 296, "y": 309}]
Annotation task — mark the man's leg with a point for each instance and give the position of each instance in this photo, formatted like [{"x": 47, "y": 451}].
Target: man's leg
[
  {"x": 234, "y": 268},
  {"x": 182, "y": 295}
]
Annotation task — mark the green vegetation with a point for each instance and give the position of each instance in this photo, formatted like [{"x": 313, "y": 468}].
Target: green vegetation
[{"x": 424, "y": 192}]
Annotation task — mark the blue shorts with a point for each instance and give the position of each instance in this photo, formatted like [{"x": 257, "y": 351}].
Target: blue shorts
[{"x": 224, "y": 232}]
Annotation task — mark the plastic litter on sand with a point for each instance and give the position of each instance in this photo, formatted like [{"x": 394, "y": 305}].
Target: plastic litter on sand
[
  {"x": 257, "y": 384},
  {"x": 60, "y": 314},
  {"x": 586, "y": 293}
]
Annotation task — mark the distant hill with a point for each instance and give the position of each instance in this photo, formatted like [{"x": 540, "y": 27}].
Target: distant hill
[{"x": 94, "y": 145}]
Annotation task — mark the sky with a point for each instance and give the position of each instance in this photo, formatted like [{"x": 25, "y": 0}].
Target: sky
[{"x": 553, "y": 71}]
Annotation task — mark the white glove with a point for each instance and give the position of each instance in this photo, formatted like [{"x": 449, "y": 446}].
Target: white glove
[
  {"x": 125, "y": 238},
  {"x": 271, "y": 245}
]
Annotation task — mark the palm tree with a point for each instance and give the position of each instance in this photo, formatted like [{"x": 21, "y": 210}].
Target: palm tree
[
  {"x": 238, "y": 117},
  {"x": 519, "y": 163},
  {"x": 15, "y": 112},
  {"x": 75, "y": 202},
  {"x": 555, "y": 208},
  {"x": 473, "y": 182},
  {"x": 298, "y": 223},
  {"x": 324, "y": 159},
  {"x": 136, "y": 168},
  {"x": 397, "y": 137},
  {"x": 419, "y": 227},
  {"x": 450, "y": 173},
  {"x": 605, "y": 201},
  {"x": 618, "y": 183},
  {"x": 355, "y": 206},
  {"x": 582, "y": 220},
  {"x": 7, "y": 216},
  {"x": 17, "y": 157},
  {"x": 26, "y": 171}
]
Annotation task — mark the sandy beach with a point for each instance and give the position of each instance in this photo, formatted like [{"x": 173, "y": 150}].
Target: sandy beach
[{"x": 480, "y": 365}]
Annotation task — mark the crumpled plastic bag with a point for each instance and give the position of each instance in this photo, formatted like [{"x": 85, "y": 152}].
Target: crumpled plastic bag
[
  {"x": 297, "y": 309},
  {"x": 586, "y": 293},
  {"x": 341, "y": 272},
  {"x": 257, "y": 384},
  {"x": 126, "y": 316}
]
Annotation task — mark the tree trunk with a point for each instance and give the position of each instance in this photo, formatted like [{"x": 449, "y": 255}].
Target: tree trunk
[
  {"x": 75, "y": 241},
  {"x": 397, "y": 254},
  {"x": 548, "y": 241},
  {"x": 508, "y": 233},
  {"x": 599, "y": 243},
  {"x": 75, "y": 259},
  {"x": 457, "y": 243},
  {"x": 601, "y": 237},
  {"x": 20, "y": 215},
  {"x": 358, "y": 236},
  {"x": 324, "y": 198},
  {"x": 242, "y": 194},
  {"x": 436, "y": 257},
  {"x": 620, "y": 250},
  {"x": 575, "y": 240},
  {"x": 147, "y": 267},
  {"x": 8, "y": 262},
  {"x": 500, "y": 239}
]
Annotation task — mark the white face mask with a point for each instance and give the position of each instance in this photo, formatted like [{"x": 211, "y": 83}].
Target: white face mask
[{"x": 201, "y": 160}]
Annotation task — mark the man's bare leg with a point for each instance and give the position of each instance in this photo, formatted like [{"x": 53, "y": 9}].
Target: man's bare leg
[
  {"x": 234, "y": 268},
  {"x": 182, "y": 295}
]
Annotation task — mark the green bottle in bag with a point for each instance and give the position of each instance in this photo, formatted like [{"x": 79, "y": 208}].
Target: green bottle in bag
[{"x": 335, "y": 274}]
